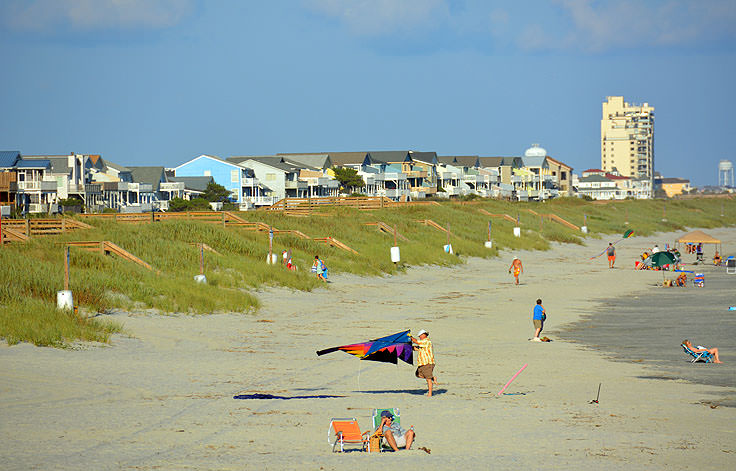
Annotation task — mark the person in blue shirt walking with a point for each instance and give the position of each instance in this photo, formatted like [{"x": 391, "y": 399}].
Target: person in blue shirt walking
[{"x": 540, "y": 315}]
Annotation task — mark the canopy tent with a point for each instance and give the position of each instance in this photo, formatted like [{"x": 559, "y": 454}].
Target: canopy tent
[
  {"x": 700, "y": 237},
  {"x": 696, "y": 237}
]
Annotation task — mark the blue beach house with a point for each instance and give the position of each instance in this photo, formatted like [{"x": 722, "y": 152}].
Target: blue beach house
[{"x": 227, "y": 174}]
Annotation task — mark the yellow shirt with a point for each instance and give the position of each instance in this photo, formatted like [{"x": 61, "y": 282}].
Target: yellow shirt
[{"x": 425, "y": 354}]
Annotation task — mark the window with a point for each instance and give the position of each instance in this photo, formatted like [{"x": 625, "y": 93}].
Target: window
[
  {"x": 234, "y": 176},
  {"x": 270, "y": 177},
  {"x": 207, "y": 173}
]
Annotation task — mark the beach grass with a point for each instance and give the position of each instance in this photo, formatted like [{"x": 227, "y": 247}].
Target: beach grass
[{"x": 100, "y": 282}]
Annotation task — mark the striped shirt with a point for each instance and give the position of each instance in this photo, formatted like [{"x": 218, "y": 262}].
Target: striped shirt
[{"x": 425, "y": 353}]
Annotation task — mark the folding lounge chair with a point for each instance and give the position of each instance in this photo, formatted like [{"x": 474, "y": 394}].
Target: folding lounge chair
[
  {"x": 706, "y": 357},
  {"x": 346, "y": 432},
  {"x": 377, "y": 421},
  {"x": 731, "y": 265},
  {"x": 699, "y": 280}
]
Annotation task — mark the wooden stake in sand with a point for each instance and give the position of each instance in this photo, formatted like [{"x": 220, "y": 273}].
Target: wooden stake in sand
[{"x": 512, "y": 378}]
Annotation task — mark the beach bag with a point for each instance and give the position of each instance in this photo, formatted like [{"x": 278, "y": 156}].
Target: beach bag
[{"x": 374, "y": 443}]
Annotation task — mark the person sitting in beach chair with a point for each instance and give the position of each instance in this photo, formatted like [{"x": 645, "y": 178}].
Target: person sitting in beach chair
[
  {"x": 717, "y": 259},
  {"x": 701, "y": 353},
  {"x": 681, "y": 280},
  {"x": 395, "y": 436}
]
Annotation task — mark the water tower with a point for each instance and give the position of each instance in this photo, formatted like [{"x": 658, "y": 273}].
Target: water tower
[{"x": 725, "y": 173}]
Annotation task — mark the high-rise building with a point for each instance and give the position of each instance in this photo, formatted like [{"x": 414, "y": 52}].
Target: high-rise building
[{"x": 627, "y": 138}]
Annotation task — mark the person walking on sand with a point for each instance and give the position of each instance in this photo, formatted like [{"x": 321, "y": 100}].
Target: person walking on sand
[
  {"x": 611, "y": 252},
  {"x": 319, "y": 268},
  {"x": 425, "y": 360},
  {"x": 517, "y": 267},
  {"x": 540, "y": 315}
]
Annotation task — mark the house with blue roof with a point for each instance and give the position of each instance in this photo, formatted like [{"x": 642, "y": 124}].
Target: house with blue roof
[{"x": 232, "y": 176}]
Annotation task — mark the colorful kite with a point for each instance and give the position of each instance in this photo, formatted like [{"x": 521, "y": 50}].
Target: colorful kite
[
  {"x": 388, "y": 349},
  {"x": 627, "y": 234}
]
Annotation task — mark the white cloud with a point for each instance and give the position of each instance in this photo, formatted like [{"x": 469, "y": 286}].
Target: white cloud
[
  {"x": 87, "y": 15},
  {"x": 600, "y": 26},
  {"x": 381, "y": 17}
]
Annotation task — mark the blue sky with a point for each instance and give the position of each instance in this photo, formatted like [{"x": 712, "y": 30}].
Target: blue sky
[{"x": 157, "y": 82}]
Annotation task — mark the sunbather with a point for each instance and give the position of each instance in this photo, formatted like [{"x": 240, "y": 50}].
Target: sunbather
[
  {"x": 395, "y": 435},
  {"x": 713, "y": 351},
  {"x": 717, "y": 259}
]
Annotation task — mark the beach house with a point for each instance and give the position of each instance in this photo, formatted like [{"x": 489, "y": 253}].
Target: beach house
[{"x": 245, "y": 188}]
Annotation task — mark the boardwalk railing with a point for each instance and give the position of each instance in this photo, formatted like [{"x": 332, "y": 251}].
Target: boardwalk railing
[
  {"x": 107, "y": 247},
  {"x": 385, "y": 228},
  {"x": 215, "y": 217},
  {"x": 35, "y": 227},
  {"x": 306, "y": 205}
]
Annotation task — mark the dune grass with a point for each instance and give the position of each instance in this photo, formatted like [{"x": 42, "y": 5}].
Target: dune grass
[{"x": 35, "y": 270}]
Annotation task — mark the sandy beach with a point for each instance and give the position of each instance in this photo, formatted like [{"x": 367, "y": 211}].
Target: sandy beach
[{"x": 162, "y": 397}]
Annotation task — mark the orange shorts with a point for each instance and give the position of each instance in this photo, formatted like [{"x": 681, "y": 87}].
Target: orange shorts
[{"x": 611, "y": 258}]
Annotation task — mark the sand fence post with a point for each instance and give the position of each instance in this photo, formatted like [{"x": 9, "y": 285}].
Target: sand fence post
[
  {"x": 201, "y": 278},
  {"x": 489, "y": 242},
  {"x": 584, "y": 227},
  {"x": 64, "y": 298},
  {"x": 395, "y": 253}
]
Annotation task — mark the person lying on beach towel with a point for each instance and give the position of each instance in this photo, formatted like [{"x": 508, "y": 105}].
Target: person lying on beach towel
[{"x": 713, "y": 351}]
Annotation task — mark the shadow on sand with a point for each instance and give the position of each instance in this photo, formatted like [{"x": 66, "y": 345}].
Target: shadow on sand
[
  {"x": 415, "y": 392},
  {"x": 271, "y": 396}
]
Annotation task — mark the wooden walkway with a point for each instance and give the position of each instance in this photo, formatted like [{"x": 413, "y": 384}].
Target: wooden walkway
[
  {"x": 21, "y": 230},
  {"x": 504, "y": 216},
  {"x": 305, "y": 206},
  {"x": 431, "y": 223},
  {"x": 107, "y": 247},
  {"x": 214, "y": 217},
  {"x": 386, "y": 229}
]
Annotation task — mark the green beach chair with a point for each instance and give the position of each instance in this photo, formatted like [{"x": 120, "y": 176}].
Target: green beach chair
[{"x": 377, "y": 421}]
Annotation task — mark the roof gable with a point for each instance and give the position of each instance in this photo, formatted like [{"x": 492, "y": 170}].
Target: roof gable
[
  {"x": 152, "y": 175},
  {"x": 208, "y": 157},
  {"x": 8, "y": 158}
]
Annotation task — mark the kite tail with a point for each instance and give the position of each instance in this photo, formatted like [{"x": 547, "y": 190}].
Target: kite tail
[{"x": 327, "y": 350}]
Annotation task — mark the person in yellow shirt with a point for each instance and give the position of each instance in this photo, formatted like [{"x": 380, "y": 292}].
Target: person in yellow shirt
[{"x": 425, "y": 359}]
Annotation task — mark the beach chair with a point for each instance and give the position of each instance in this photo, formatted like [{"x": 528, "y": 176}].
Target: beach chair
[
  {"x": 699, "y": 280},
  {"x": 706, "y": 357},
  {"x": 346, "y": 432},
  {"x": 731, "y": 265},
  {"x": 377, "y": 421}
]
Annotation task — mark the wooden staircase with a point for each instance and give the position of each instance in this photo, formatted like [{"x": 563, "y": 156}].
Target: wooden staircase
[
  {"x": 385, "y": 228},
  {"x": 107, "y": 247}
]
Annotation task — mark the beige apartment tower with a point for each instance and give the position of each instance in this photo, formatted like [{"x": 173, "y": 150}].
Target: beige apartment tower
[{"x": 627, "y": 138}]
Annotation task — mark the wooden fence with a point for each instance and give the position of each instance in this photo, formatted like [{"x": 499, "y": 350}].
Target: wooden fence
[
  {"x": 20, "y": 230},
  {"x": 305, "y": 206}
]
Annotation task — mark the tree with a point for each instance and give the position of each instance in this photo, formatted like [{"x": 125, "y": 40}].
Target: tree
[
  {"x": 215, "y": 192},
  {"x": 348, "y": 178},
  {"x": 178, "y": 204}
]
